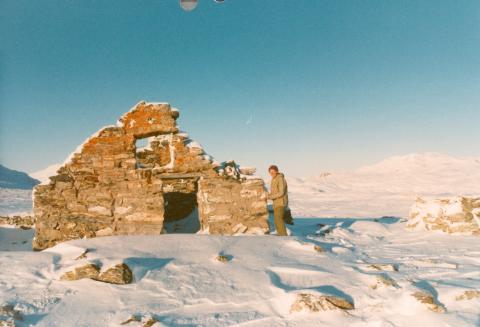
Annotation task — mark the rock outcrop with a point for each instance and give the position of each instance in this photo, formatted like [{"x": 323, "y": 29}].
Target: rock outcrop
[
  {"x": 118, "y": 274},
  {"x": 429, "y": 301},
  {"x": 383, "y": 280},
  {"x": 8, "y": 316},
  {"x": 112, "y": 186},
  {"x": 455, "y": 215},
  {"x": 87, "y": 271},
  {"x": 468, "y": 295},
  {"x": 315, "y": 303},
  {"x": 24, "y": 222}
]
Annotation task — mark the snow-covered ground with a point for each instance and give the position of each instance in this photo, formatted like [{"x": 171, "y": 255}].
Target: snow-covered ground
[
  {"x": 178, "y": 282},
  {"x": 15, "y": 201}
]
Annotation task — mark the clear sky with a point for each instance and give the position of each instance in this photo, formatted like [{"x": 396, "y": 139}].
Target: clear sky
[{"x": 310, "y": 85}]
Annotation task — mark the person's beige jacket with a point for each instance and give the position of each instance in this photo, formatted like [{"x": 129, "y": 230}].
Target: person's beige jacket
[{"x": 279, "y": 191}]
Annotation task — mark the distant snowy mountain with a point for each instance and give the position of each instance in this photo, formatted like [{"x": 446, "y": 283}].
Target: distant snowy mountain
[
  {"x": 15, "y": 191},
  {"x": 386, "y": 188},
  {"x": 44, "y": 174},
  {"x": 14, "y": 179},
  {"x": 423, "y": 163}
]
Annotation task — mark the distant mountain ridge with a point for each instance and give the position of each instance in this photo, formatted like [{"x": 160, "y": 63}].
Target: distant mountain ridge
[
  {"x": 14, "y": 179},
  {"x": 422, "y": 162},
  {"x": 388, "y": 187}
]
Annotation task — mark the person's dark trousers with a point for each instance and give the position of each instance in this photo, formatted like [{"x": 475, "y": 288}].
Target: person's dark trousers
[{"x": 278, "y": 213}]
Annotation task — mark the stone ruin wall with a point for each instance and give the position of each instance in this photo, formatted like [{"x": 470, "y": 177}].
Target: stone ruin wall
[
  {"x": 109, "y": 187},
  {"x": 457, "y": 215}
]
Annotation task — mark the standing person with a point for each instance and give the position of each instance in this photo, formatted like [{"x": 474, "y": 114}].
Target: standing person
[{"x": 279, "y": 195}]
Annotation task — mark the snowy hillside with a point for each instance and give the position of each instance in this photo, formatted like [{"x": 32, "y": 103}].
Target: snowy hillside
[
  {"x": 44, "y": 174},
  {"x": 387, "y": 188},
  {"x": 16, "y": 197},
  {"x": 15, "y": 191},
  {"x": 14, "y": 179}
]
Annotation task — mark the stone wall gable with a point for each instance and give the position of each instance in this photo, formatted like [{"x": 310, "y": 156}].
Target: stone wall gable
[
  {"x": 148, "y": 119},
  {"x": 109, "y": 187}
]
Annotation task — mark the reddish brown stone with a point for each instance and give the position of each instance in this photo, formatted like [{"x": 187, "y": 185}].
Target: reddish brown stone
[{"x": 110, "y": 187}]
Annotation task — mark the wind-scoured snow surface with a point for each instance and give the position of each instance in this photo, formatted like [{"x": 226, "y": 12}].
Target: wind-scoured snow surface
[{"x": 178, "y": 282}]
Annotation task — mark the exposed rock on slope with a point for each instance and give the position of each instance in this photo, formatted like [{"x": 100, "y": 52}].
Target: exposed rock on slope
[
  {"x": 454, "y": 215},
  {"x": 313, "y": 303},
  {"x": 87, "y": 271},
  {"x": 24, "y": 222},
  {"x": 429, "y": 301},
  {"x": 119, "y": 274}
]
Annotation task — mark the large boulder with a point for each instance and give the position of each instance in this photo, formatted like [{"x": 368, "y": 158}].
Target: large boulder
[
  {"x": 118, "y": 274},
  {"x": 454, "y": 215},
  {"x": 89, "y": 270}
]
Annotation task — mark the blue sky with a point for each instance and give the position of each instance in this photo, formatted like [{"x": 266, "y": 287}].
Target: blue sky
[{"x": 308, "y": 85}]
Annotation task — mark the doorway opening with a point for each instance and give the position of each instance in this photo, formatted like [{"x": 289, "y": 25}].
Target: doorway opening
[{"x": 181, "y": 213}]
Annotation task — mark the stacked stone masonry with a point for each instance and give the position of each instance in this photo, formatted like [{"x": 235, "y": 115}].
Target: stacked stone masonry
[
  {"x": 108, "y": 186},
  {"x": 458, "y": 215}
]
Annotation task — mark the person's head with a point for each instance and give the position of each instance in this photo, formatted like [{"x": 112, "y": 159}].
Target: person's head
[{"x": 273, "y": 170}]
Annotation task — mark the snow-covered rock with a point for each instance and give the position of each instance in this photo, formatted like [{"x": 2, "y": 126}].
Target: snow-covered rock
[
  {"x": 314, "y": 303},
  {"x": 429, "y": 301},
  {"x": 24, "y": 222},
  {"x": 453, "y": 215},
  {"x": 177, "y": 279},
  {"x": 118, "y": 274}
]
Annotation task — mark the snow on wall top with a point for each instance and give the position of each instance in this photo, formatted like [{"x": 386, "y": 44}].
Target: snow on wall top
[{"x": 145, "y": 119}]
